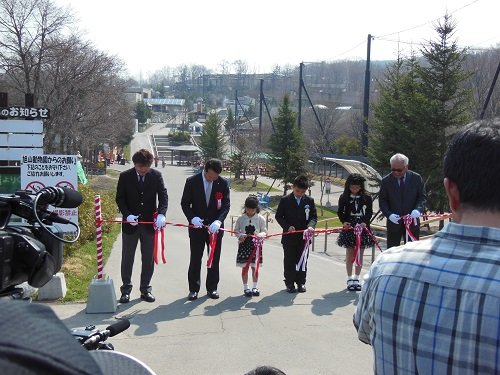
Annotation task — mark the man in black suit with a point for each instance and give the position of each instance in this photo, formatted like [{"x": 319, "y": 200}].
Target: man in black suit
[
  {"x": 295, "y": 211},
  {"x": 136, "y": 195},
  {"x": 205, "y": 202},
  {"x": 402, "y": 192}
]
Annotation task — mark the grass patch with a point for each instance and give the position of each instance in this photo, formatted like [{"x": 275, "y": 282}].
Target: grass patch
[
  {"x": 246, "y": 185},
  {"x": 112, "y": 173},
  {"x": 329, "y": 215},
  {"x": 80, "y": 266},
  {"x": 126, "y": 152}
]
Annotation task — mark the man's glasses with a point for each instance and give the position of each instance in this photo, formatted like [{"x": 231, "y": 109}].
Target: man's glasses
[{"x": 397, "y": 170}]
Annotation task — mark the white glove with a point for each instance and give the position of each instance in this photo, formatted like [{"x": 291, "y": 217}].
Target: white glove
[
  {"x": 214, "y": 227},
  {"x": 394, "y": 218},
  {"x": 415, "y": 214},
  {"x": 132, "y": 220},
  {"x": 262, "y": 234},
  {"x": 160, "y": 221},
  {"x": 197, "y": 222}
]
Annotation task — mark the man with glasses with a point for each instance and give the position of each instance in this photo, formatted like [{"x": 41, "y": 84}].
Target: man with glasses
[
  {"x": 402, "y": 193},
  {"x": 433, "y": 306}
]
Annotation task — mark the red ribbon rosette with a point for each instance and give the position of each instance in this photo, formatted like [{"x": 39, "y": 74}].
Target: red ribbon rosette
[
  {"x": 407, "y": 221},
  {"x": 358, "y": 229},
  {"x": 219, "y": 197}
]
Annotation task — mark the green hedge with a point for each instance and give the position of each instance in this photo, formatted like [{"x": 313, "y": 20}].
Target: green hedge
[{"x": 86, "y": 216}]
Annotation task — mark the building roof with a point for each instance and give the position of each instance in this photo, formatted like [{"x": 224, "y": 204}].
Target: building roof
[{"x": 159, "y": 101}]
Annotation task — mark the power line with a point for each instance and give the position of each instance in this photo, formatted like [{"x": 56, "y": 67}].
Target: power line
[
  {"x": 428, "y": 22},
  {"x": 350, "y": 49}
]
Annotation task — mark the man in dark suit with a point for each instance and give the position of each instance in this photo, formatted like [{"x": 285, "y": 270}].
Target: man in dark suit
[
  {"x": 136, "y": 195},
  {"x": 402, "y": 192},
  {"x": 295, "y": 211},
  {"x": 205, "y": 202}
]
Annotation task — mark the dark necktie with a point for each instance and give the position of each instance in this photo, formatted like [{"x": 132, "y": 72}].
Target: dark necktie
[
  {"x": 141, "y": 182},
  {"x": 401, "y": 183}
]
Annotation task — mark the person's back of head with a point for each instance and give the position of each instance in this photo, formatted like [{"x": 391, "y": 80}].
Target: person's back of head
[
  {"x": 472, "y": 166},
  {"x": 265, "y": 370}
]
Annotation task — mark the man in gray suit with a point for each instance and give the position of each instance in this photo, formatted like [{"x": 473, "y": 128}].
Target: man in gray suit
[{"x": 402, "y": 192}]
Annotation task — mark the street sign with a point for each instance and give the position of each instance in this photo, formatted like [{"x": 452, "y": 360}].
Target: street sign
[{"x": 39, "y": 171}]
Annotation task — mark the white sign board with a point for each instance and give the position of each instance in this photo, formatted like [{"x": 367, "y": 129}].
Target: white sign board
[
  {"x": 21, "y": 126},
  {"x": 17, "y": 153},
  {"x": 39, "y": 171},
  {"x": 21, "y": 140}
]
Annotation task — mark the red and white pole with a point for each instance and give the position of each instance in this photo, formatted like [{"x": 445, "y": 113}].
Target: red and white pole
[{"x": 98, "y": 234}]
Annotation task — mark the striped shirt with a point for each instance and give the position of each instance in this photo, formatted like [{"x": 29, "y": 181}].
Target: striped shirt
[{"x": 433, "y": 306}]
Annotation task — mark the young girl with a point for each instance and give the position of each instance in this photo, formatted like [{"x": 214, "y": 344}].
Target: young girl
[
  {"x": 249, "y": 223},
  {"x": 355, "y": 207}
]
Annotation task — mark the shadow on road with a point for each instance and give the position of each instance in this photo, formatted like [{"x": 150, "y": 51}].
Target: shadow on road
[
  {"x": 332, "y": 301},
  {"x": 264, "y": 305},
  {"x": 179, "y": 309}
]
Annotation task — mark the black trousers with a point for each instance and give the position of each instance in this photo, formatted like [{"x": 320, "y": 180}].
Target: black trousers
[
  {"x": 396, "y": 232},
  {"x": 292, "y": 251},
  {"x": 129, "y": 245},
  {"x": 198, "y": 242}
]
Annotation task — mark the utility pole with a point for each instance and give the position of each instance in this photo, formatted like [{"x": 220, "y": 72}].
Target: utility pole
[
  {"x": 301, "y": 83},
  {"x": 260, "y": 109},
  {"x": 366, "y": 99},
  {"x": 235, "y": 108}
]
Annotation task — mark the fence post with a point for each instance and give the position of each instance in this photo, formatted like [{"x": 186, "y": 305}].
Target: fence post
[{"x": 326, "y": 237}]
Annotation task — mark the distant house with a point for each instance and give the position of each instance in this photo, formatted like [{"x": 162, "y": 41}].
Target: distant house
[
  {"x": 245, "y": 102},
  {"x": 137, "y": 94},
  {"x": 165, "y": 105},
  {"x": 195, "y": 127}
]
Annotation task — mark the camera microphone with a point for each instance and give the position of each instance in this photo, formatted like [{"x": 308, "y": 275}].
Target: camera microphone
[
  {"x": 110, "y": 331},
  {"x": 60, "y": 197}
]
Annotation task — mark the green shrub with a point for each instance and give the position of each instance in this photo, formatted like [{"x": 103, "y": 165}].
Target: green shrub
[
  {"x": 86, "y": 215},
  {"x": 179, "y": 137}
]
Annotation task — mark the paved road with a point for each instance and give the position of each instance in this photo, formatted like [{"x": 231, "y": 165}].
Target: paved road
[{"x": 310, "y": 333}]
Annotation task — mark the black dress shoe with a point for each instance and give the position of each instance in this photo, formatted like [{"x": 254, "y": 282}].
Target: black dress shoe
[
  {"x": 291, "y": 289},
  {"x": 125, "y": 298},
  {"x": 213, "y": 294},
  {"x": 148, "y": 297},
  {"x": 192, "y": 296},
  {"x": 301, "y": 288}
]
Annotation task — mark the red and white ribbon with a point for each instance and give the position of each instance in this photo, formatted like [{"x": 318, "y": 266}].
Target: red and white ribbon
[
  {"x": 159, "y": 242},
  {"x": 213, "y": 245},
  {"x": 407, "y": 221},
  {"x": 98, "y": 235},
  {"x": 256, "y": 253},
  {"x": 358, "y": 229},
  {"x": 302, "y": 264}
]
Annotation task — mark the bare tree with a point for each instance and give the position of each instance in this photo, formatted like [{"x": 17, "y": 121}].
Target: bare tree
[
  {"x": 87, "y": 98},
  {"x": 26, "y": 28},
  {"x": 483, "y": 66}
]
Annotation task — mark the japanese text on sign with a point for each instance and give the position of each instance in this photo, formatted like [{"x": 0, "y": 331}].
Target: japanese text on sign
[
  {"x": 25, "y": 112},
  {"x": 48, "y": 166}
]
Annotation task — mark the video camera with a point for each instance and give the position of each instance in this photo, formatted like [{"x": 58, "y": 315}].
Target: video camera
[{"x": 32, "y": 250}]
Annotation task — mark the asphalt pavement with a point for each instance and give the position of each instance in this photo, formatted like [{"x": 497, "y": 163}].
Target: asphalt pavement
[{"x": 307, "y": 333}]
